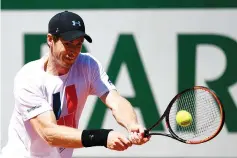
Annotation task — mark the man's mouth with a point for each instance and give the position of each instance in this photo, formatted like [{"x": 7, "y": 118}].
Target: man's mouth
[{"x": 70, "y": 57}]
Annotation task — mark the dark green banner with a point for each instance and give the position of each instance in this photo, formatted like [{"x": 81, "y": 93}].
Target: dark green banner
[{"x": 115, "y": 4}]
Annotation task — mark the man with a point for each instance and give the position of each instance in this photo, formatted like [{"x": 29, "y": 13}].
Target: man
[{"x": 50, "y": 94}]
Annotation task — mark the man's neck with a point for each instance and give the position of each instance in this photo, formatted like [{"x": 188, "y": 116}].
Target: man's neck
[{"x": 52, "y": 67}]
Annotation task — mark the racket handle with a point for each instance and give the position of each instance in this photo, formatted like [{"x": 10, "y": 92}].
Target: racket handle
[{"x": 146, "y": 133}]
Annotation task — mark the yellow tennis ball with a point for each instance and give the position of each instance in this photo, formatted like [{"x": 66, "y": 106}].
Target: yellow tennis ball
[{"x": 183, "y": 118}]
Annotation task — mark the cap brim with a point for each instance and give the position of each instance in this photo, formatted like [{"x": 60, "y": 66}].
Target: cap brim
[{"x": 72, "y": 35}]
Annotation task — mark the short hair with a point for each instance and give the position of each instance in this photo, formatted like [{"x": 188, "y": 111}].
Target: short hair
[{"x": 55, "y": 38}]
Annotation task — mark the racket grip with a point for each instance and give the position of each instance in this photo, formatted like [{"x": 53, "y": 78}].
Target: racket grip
[{"x": 146, "y": 133}]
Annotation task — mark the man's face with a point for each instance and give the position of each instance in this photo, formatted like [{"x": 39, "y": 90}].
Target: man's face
[{"x": 66, "y": 52}]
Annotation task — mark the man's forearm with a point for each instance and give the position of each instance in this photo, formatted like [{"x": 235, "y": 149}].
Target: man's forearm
[
  {"x": 67, "y": 137},
  {"x": 124, "y": 113},
  {"x": 63, "y": 136}
]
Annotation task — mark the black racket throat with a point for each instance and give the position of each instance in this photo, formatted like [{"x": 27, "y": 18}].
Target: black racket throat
[{"x": 147, "y": 132}]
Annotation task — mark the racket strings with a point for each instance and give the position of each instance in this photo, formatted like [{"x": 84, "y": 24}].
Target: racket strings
[{"x": 205, "y": 113}]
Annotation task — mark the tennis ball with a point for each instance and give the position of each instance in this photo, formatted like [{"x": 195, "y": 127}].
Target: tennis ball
[{"x": 183, "y": 118}]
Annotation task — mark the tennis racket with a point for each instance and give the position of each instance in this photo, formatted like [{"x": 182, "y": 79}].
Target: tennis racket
[{"x": 207, "y": 114}]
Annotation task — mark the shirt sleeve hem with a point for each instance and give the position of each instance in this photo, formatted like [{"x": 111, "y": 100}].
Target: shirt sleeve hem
[
  {"x": 107, "y": 90},
  {"x": 29, "y": 115}
]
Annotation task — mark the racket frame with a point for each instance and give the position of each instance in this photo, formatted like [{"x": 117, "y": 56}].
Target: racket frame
[{"x": 172, "y": 134}]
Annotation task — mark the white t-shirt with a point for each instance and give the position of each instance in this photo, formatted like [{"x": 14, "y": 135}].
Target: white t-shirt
[{"x": 37, "y": 91}]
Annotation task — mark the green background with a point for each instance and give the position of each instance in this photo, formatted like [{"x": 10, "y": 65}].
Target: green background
[{"x": 116, "y": 4}]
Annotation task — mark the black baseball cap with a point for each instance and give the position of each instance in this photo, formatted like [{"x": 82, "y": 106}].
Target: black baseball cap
[{"x": 68, "y": 25}]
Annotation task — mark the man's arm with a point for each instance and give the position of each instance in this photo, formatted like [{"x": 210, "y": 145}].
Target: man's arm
[
  {"x": 63, "y": 136},
  {"x": 125, "y": 115},
  {"x": 56, "y": 135},
  {"x": 121, "y": 108}
]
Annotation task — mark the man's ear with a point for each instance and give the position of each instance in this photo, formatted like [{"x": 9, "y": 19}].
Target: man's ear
[{"x": 49, "y": 40}]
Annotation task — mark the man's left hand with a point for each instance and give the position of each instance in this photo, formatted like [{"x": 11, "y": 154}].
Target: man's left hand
[{"x": 136, "y": 134}]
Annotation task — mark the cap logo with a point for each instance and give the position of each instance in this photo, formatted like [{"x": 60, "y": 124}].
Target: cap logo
[{"x": 74, "y": 23}]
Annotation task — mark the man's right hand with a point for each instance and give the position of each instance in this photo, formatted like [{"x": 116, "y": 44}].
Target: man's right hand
[{"x": 118, "y": 141}]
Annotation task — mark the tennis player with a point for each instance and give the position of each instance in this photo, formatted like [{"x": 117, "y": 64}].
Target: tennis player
[{"x": 50, "y": 94}]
